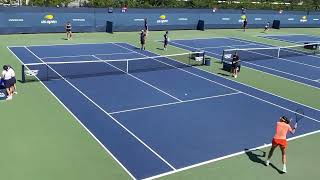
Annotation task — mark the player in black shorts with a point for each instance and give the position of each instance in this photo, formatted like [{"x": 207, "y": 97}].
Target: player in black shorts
[
  {"x": 267, "y": 27},
  {"x": 14, "y": 81},
  {"x": 235, "y": 63},
  {"x": 166, "y": 40},
  {"x": 245, "y": 24},
  {"x": 143, "y": 40},
  {"x": 68, "y": 30}
]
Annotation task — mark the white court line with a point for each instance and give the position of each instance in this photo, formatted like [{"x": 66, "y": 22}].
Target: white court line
[
  {"x": 83, "y": 126},
  {"x": 179, "y": 68},
  {"x": 67, "y": 44},
  {"x": 281, "y": 107},
  {"x": 242, "y": 152},
  {"x": 284, "y": 59},
  {"x": 52, "y": 57},
  {"x": 241, "y": 83},
  {"x": 202, "y": 48},
  {"x": 84, "y": 55},
  {"x": 287, "y": 50},
  {"x": 185, "y": 167},
  {"x": 276, "y": 35},
  {"x": 260, "y": 70},
  {"x": 279, "y": 71},
  {"x": 255, "y": 87},
  {"x": 224, "y": 157},
  {"x": 140, "y": 80},
  {"x": 105, "y": 112},
  {"x": 198, "y": 38},
  {"x": 173, "y": 103},
  {"x": 297, "y": 51}
]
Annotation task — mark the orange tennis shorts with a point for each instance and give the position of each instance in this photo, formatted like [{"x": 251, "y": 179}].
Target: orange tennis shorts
[{"x": 280, "y": 142}]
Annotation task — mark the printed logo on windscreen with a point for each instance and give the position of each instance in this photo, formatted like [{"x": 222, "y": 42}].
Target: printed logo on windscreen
[
  {"x": 78, "y": 20},
  {"x": 304, "y": 19},
  {"x": 16, "y": 20},
  {"x": 49, "y": 19},
  {"x": 163, "y": 19}
]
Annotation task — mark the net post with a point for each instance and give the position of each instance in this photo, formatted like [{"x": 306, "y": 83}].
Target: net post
[
  {"x": 278, "y": 52},
  {"x": 47, "y": 68},
  {"x": 127, "y": 71},
  {"x": 23, "y": 75},
  {"x": 203, "y": 58},
  {"x": 222, "y": 58}
]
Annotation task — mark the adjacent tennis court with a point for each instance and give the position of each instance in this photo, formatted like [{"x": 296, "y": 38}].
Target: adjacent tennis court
[
  {"x": 294, "y": 38},
  {"x": 175, "y": 116},
  {"x": 291, "y": 62}
]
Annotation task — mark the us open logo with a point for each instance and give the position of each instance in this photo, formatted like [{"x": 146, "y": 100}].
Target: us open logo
[
  {"x": 49, "y": 19},
  {"x": 163, "y": 19},
  {"x": 304, "y": 19}
]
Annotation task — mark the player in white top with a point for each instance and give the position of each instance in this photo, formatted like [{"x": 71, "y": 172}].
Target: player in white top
[
  {"x": 14, "y": 81},
  {"x": 267, "y": 27},
  {"x": 7, "y": 80}
]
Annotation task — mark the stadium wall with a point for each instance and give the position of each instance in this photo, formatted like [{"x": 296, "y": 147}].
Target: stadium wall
[{"x": 43, "y": 20}]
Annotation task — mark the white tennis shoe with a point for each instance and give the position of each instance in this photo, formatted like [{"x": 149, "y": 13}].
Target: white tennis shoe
[
  {"x": 284, "y": 169},
  {"x": 267, "y": 162},
  {"x": 9, "y": 98}
]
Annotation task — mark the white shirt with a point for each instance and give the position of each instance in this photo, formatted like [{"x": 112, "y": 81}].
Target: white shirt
[
  {"x": 13, "y": 74},
  {"x": 6, "y": 75}
]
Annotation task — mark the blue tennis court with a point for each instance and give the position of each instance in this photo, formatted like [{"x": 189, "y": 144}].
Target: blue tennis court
[
  {"x": 294, "y": 38},
  {"x": 294, "y": 64},
  {"x": 161, "y": 116}
]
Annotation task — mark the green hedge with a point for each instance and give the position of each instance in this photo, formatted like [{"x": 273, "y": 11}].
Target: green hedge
[{"x": 228, "y": 4}]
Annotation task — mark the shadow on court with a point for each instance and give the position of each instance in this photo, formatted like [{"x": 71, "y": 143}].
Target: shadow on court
[
  {"x": 259, "y": 156},
  {"x": 223, "y": 74},
  {"x": 160, "y": 49}
]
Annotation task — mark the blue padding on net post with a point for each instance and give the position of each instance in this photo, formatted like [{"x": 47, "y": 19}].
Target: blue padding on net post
[
  {"x": 276, "y": 24},
  {"x": 207, "y": 61},
  {"x": 200, "y": 25},
  {"x": 109, "y": 28}
]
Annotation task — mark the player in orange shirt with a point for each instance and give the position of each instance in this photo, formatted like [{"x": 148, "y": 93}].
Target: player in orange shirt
[{"x": 280, "y": 139}]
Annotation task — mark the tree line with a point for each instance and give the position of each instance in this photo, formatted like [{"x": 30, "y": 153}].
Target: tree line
[{"x": 223, "y": 4}]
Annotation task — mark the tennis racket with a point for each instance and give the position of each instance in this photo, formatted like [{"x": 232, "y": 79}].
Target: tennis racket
[{"x": 299, "y": 114}]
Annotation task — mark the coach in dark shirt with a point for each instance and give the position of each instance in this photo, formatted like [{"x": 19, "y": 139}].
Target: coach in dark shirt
[
  {"x": 235, "y": 64},
  {"x": 143, "y": 39}
]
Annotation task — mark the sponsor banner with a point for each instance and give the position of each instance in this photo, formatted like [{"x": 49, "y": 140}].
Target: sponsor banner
[
  {"x": 49, "y": 19},
  {"x": 183, "y": 19},
  {"x": 225, "y": 19},
  {"x": 162, "y": 19},
  {"x": 304, "y": 19},
  {"x": 138, "y": 20},
  {"x": 16, "y": 20},
  {"x": 79, "y": 20},
  {"x": 258, "y": 19}
]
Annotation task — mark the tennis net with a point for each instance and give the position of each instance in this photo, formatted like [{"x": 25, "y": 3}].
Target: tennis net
[
  {"x": 46, "y": 71},
  {"x": 253, "y": 54}
]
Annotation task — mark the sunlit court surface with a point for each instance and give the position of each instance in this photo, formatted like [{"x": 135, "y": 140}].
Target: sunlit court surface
[{"x": 97, "y": 105}]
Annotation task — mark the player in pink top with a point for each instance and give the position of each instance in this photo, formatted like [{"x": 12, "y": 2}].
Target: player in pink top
[{"x": 280, "y": 139}]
